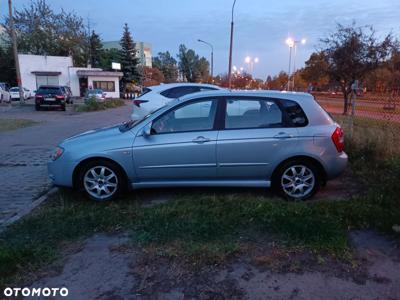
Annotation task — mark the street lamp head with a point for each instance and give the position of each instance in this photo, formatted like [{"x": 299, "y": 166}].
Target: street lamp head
[
  {"x": 247, "y": 59},
  {"x": 303, "y": 41},
  {"x": 290, "y": 42},
  {"x": 256, "y": 60}
]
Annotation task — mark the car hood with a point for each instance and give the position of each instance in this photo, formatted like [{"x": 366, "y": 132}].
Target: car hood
[{"x": 99, "y": 134}]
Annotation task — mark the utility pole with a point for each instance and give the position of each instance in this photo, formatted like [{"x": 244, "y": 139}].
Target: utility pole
[
  {"x": 230, "y": 49},
  {"x": 15, "y": 50}
]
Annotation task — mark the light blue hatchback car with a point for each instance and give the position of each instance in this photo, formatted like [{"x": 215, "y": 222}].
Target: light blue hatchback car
[{"x": 219, "y": 138}]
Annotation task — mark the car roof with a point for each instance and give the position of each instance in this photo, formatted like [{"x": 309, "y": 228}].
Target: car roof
[
  {"x": 298, "y": 96},
  {"x": 166, "y": 86}
]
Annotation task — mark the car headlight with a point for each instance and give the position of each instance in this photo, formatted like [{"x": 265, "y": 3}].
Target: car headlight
[{"x": 57, "y": 153}]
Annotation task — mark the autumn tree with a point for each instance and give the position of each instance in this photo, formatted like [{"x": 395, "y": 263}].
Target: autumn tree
[
  {"x": 152, "y": 76},
  {"x": 351, "y": 53}
]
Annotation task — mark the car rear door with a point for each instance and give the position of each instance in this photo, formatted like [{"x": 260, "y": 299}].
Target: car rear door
[
  {"x": 182, "y": 145},
  {"x": 254, "y": 138}
]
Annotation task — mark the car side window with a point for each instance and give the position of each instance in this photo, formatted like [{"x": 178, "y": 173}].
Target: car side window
[
  {"x": 252, "y": 113},
  {"x": 195, "y": 116},
  {"x": 179, "y": 91},
  {"x": 295, "y": 113}
]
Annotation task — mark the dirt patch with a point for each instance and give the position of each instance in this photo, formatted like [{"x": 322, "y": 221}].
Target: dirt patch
[
  {"x": 97, "y": 271},
  {"x": 110, "y": 267}
]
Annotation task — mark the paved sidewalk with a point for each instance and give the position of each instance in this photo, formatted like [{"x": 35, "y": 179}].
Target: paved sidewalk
[{"x": 24, "y": 152}]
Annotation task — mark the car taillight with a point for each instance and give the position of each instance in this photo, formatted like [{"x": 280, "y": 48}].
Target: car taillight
[
  {"x": 138, "y": 102},
  {"x": 338, "y": 139},
  {"x": 60, "y": 97},
  {"x": 39, "y": 96}
]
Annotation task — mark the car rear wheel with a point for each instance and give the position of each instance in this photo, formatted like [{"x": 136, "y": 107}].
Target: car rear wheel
[
  {"x": 63, "y": 107},
  {"x": 102, "y": 180},
  {"x": 297, "y": 180}
]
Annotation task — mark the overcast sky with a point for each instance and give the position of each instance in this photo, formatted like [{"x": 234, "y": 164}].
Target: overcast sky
[{"x": 261, "y": 26}]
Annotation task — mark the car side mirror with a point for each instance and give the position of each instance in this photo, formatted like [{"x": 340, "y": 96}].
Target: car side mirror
[{"x": 147, "y": 130}]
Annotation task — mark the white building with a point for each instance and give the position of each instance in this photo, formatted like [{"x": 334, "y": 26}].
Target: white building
[
  {"x": 143, "y": 51},
  {"x": 37, "y": 70}
]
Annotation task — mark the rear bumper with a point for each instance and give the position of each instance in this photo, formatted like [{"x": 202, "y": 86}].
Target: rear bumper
[
  {"x": 50, "y": 103},
  {"x": 336, "y": 165}
]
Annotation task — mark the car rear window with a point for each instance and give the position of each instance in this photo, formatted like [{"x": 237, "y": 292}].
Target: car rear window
[
  {"x": 14, "y": 89},
  {"x": 50, "y": 90},
  {"x": 180, "y": 91}
]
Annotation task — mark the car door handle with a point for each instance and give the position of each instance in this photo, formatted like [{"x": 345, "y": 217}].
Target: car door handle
[
  {"x": 283, "y": 135},
  {"x": 200, "y": 140}
]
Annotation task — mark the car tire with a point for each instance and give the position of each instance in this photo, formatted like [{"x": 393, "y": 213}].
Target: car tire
[
  {"x": 63, "y": 107},
  {"x": 297, "y": 180},
  {"x": 102, "y": 180},
  {"x": 37, "y": 107}
]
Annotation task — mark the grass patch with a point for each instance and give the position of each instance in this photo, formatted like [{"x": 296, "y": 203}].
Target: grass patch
[
  {"x": 93, "y": 105},
  {"x": 209, "y": 227},
  {"x": 12, "y": 124}
]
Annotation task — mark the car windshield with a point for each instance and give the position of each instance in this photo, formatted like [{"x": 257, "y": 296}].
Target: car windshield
[
  {"x": 49, "y": 90},
  {"x": 129, "y": 124}
]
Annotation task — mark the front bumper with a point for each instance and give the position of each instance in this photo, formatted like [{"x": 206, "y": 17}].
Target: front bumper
[{"x": 61, "y": 172}]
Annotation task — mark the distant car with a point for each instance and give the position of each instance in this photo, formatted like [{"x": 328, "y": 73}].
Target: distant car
[
  {"x": 220, "y": 138},
  {"x": 97, "y": 94},
  {"x": 50, "y": 96},
  {"x": 154, "y": 97},
  {"x": 14, "y": 93},
  {"x": 4, "y": 94},
  {"x": 68, "y": 94}
]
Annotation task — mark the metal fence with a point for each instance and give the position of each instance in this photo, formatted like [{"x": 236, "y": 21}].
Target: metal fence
[{"x": 374, "y": 124}]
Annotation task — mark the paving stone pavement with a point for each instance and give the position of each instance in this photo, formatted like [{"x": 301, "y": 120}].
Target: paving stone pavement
[{"x": 24, "y": 152}]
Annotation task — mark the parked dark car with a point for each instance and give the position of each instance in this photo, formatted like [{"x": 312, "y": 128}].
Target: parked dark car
[
  {"x": 50, "y": 96},
  {"x": 68, "y": 94}
]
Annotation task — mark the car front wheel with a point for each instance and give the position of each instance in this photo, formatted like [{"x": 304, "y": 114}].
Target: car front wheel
[
  {"x": 297, "y": 180},
  {"x": 102, "y": 181}
]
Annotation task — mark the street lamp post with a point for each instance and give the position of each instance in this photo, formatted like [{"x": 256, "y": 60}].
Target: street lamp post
[
  {"x": 292, "y": 46},
  {"x": 15, "y": 50},
  {"x": 230, "y": 49},
  {"x": 212, "y": 57}
]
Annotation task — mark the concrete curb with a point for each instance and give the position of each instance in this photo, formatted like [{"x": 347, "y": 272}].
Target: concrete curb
[{"x": 28, "y": 209}]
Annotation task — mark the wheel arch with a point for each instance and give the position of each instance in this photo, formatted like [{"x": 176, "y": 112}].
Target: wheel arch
[
  {"x": 310, "y": 159},
  {"x": 83, "y": 163}
]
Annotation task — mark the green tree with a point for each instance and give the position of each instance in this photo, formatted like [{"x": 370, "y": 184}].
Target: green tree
[
  {"x": 108, "y": 56},
  {"x": 96, "y": 50},
  {"x": 128, "y": 59},
  {"x": 7, "y": 66},
  {"x": 167, "y": 65},
  {"x": 351, "y": 53},
  {"x": 192, "y": 68},
  {"x": 42, "y": 31},
  {"x": 202, "y": 70}
]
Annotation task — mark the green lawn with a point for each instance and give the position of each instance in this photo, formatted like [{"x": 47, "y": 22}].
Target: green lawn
[
  {"x": 12, "y": 124},
  {"x": 209, "y": 227}
]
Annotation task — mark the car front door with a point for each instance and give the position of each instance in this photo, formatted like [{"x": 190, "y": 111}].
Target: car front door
[
  {"x": 254, "y": 138},
  {"x": 181, "y": 146}
]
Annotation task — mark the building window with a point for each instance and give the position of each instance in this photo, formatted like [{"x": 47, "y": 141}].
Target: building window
[
  {"x": 46, "y": 80},
  {"x": 106, "y": 86}
]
